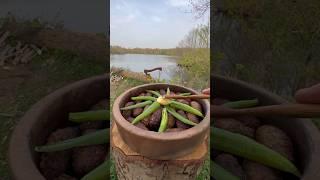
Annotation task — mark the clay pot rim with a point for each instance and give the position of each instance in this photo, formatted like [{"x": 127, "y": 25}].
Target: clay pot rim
[
  {"x": 311, "y": 170},
  {"x": 168, "y": 136},
  {"x": 20, "y": 150}
]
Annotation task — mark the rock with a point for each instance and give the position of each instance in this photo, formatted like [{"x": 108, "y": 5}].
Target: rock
[
  {"x": 137, "y": 111},
  {"x": 249, "y": 121},
  {"x": 196, "y": 105},
  {"x": 275, "y": 139},
  {"x": 235, "y": 126},
  {"x": 85, "y": 159},
  {"x": 155, "y": 120},
  {"x": 230, "y": 163},
  {"x": 127, "y": 113},
  {"x": 171, "y": 121},
  {"x": 181, "y": 124},
  {"x": 193, "y": 118},
  {"x": 53, "y": 164},
  {"x": 255, "y": 171},
  {"x": 92, "y": 125}
]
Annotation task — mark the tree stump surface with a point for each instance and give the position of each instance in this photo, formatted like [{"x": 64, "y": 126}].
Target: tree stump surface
[{"x": 132, "y": 166}]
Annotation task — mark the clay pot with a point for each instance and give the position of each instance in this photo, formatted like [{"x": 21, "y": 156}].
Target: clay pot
[
  {"x": 44, "y": 117},
  {"x": 156, "y": 145},
  {"x": 304, "y": 134}
]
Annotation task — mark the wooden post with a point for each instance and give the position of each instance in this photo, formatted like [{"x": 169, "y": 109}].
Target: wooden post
[{"x": 132, "y": 166}]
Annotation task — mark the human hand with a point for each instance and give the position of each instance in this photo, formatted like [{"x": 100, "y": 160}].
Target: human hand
[
  {"x": 309, "y": 95},
  {"x": 206, "y": 91}
]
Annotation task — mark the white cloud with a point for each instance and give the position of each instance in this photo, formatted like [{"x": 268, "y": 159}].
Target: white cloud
[
  {"x": 178, "y": 3},
  {"x": 156, "y": 19}
]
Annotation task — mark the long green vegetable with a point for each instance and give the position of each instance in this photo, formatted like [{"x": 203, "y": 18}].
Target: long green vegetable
[
  {"x": 219, "y": 173},
  {"x": 143, "y": 98},
  {"x": 152, "y": 108},
  {"x": 185, "y": 107},
  {"x": 179, "y": 117},
  {"x": 184, "y": 94},
  {"x": 154, "y": 93},
  {"x": 101, "y": 172},
  {"x": 138, "y": 105},
  {"x": 99, "y": 137},
  {"x": 242, "y": 104},
  {"x": 248, "y": 148},
  {"x": 89, "y": 116},
  {"x": 164, "y": 120}
]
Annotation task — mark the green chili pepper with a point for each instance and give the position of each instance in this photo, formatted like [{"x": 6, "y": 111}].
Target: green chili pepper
[
  {"x": 152, "y": 108},
  {"x": 168, "y": 91},
  {"x": 241, "y": 104},
  {"x": 179, "y": 117},
  {"x": 219, "y": 173},
  {"x": 98, "y": 137},
  {"x": 154, "y": 93},
  {"x": 101, "y": 172},
  {"x": 186, "y": 108},
  {"x": 248, "y": 148},
  {"x": 143, "y": 98},
  {"x": 184, "y": 94},
  {"x": 89, "y": 116},
  {"x": 164, "y": 120},
  {"x": 138, "y": 105}
]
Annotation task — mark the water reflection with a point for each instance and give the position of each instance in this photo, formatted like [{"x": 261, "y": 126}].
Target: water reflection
[{"x": 139, "y": 62}]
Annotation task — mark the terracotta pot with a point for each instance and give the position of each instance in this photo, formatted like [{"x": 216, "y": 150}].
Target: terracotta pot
[
  {"x": 47, "y": 115},
  {"x": 156, "y": 145},
  {"x": 304, "y": 134}
]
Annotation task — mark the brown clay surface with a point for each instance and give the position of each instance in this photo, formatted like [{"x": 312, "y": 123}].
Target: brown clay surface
[
  {"x": 117, "y": 142},
  {"x": 154, "y": 145}
]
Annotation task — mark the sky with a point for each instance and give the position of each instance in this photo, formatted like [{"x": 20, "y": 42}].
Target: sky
[{"x": 150, "y": 23}]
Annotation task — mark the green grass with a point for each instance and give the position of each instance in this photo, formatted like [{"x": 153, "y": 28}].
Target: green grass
[{"x": 50, "y": 71}]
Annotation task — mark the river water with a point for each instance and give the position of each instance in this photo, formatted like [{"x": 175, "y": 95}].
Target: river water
[
  {"x": 139, "y": 62},
  {"x": 77, "y": 15}
]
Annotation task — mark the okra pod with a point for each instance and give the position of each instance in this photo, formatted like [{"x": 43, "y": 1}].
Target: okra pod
[
  {"x": 164, "y": 120},
  {"x": 245, "y": 147},
  {"x": 95, "y": 138},
  {"x": 241, "y": 104},
  {"x": 186, "y": 108},
  {"x": 138, "y": 105},
  {"x": 179, "y": 117},
  {"x": 152, "y": 108},
  {"x": 143, "y": 98},
  {"x": 219, "y": 173},
  {"x": 154, "y": 93},
  {"x": 101, "y": 172},
  {"x": 98, "y": 115}
]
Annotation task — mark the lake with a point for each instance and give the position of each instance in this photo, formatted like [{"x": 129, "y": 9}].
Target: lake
[
  {"x": 139, "y": 62},
  {"x": 77, "y": 15}
]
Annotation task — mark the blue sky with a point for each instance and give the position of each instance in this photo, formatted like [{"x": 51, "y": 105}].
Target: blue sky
[{"x": 150, "y": 23}]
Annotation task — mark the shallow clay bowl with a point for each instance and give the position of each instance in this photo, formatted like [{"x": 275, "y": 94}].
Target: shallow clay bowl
[
  {"x": 44, "y": 117},
  {"x": 156, "y": 145},
  {"x": 303, "y": 133}
]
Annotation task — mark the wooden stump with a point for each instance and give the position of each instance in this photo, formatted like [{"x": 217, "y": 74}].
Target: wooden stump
[{"x": 132, "y": 166}]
